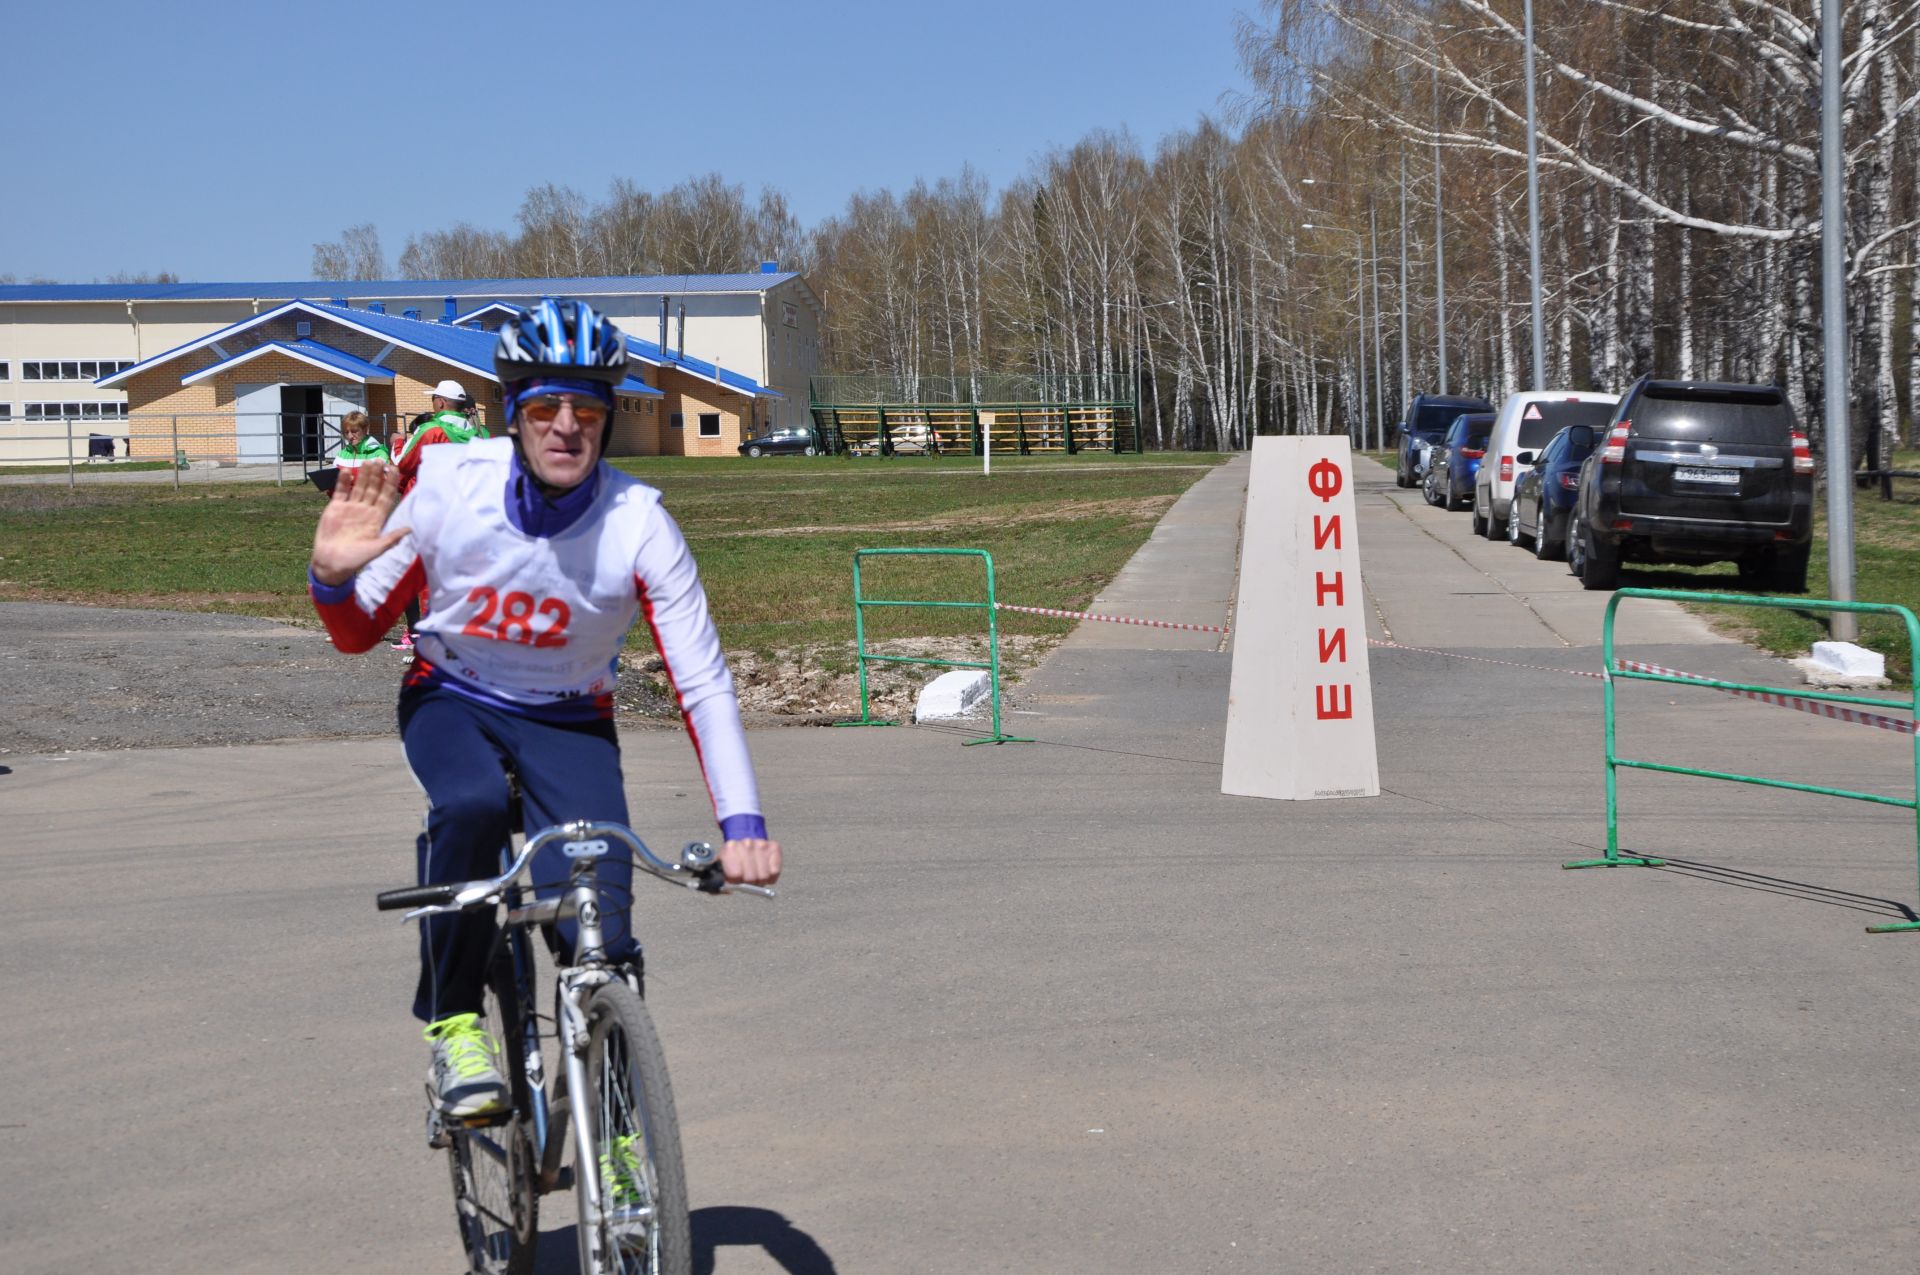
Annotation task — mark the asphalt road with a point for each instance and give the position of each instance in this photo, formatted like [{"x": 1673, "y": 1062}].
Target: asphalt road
[{"x": 1055, "y": 1006}]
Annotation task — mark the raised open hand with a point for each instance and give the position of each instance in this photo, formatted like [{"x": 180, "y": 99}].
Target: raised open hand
[{"x": 350, "y": 533}]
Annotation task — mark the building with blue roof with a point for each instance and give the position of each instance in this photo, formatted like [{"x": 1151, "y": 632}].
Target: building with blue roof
[
  {"x": 274, "y": 386},
  {"x": 65, "y": 348}
]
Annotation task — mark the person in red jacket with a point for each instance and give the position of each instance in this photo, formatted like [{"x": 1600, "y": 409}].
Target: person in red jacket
[{"x": 450, "y": 422}]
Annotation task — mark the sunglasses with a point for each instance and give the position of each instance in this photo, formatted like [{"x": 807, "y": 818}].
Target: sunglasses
[{"x": 546, "y": 408}]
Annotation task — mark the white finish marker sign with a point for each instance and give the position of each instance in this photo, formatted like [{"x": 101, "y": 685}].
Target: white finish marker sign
[{"x": 1300, "y": 710}]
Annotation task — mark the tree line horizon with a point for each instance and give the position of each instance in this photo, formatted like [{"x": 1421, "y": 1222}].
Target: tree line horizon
[{"x": 1224, "y": 274}]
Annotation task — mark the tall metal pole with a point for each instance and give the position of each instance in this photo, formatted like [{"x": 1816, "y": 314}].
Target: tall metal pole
[
  {"x": 1533, "y": 219},
  {"x": 1833, "y": 307},
  {"x": 1406, "y": 367},
  {"x": 1360, "y": 296},
  {"x": 1379, "y": 373},
  {"x": 1439, "y": 242}
]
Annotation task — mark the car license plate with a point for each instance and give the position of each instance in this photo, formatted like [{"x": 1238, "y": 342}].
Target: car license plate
[{"x": 1725, "y": 477}]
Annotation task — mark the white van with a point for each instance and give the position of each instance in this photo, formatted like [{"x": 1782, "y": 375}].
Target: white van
[{"x": 1527, "y": 422}]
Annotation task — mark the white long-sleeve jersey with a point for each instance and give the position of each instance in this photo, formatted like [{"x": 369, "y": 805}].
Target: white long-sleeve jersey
[{"x": 534, "y": 623}]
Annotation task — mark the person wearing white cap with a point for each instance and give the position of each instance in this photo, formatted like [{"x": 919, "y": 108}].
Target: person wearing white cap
[{"x": 449, "y": 422}]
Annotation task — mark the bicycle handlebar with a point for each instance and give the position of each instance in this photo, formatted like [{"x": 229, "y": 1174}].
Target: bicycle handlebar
[
  {"x": 696, "y": 869},
  {"x": 413, "y": 895}
]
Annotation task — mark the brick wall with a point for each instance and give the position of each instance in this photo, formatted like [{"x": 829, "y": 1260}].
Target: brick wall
[{"x": 691, "y": 396}]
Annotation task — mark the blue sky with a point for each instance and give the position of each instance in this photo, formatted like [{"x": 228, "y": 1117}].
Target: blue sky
[{"x": 221, "y": 140}]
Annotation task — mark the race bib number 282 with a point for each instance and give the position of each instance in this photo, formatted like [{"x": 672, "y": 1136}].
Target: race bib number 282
[{"x": 518, "y": 617}]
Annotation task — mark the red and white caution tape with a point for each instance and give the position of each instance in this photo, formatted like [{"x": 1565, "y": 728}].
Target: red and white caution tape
[
  {"x": 1112, "y": 619},
  {"x": 1819, "y": 708},
  {"x": 1485, "y": 659}
]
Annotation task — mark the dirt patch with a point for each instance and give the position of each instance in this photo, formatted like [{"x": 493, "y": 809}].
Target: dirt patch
[
  {"x": 201, "y": 601},
  {"x": 88, "y": 678},
  {"x": 821, "y": 683}
]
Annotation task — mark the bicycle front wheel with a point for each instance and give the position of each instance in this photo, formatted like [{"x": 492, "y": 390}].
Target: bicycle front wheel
[
  {"x": 493, "y": 1165},
  {"x": 643, "y": 1228}
]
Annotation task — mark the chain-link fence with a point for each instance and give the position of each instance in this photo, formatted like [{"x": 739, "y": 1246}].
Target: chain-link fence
[{"x": 263, "y": 446}]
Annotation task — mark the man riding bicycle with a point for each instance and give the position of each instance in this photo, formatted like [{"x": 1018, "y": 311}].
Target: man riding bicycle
[{"x": 537, "y": 558}]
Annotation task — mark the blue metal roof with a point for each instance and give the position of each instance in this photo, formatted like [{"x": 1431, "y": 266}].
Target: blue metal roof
[
  {"x": 383, "y": 289},
  {"x": 650, "y": 352},
  {"x": 469, "y": 348},
  {"x": 310, "y": 350},
  {"x": 506, "y": 307}
]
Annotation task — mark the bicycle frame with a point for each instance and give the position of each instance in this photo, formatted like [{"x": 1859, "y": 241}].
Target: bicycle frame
[{"x": 584, "y": 844}]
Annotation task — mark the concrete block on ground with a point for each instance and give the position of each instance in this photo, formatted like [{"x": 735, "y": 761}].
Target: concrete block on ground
[
  {"x": 1844, "y": 665},
  {"x": 952, "y": 694}
]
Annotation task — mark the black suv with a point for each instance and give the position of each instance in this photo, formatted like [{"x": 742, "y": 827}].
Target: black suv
[
  {"x": 1426, "y": 422},
  {"x": 1697, "y": 471}
]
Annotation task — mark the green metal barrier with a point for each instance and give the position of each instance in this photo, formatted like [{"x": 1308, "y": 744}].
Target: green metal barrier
[
  {"x": 1614, "y": 859},
  {"x": 861, "y": 602}
]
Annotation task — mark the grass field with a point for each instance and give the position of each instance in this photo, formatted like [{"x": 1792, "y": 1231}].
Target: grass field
[{"x": 774, "y": 538}]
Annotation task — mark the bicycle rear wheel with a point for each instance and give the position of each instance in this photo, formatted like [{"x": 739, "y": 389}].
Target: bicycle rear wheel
[
  {"x": 637, "y": 1138},
  {"x": 493, "y": 1166}
]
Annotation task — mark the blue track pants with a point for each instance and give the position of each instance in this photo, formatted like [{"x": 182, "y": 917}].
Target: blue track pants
[{"x": 460, "y": 751}]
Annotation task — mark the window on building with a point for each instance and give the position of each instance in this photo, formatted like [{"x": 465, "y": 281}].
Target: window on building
[
  {"x": 75, "y": 411},
  {"x": 6, "y": 411},
  {"x": 709, "y": 424},
  {"x": 677, "y": 420},
  {"x": 77, "y": 370},
  {"x": 6, "y": 371}
]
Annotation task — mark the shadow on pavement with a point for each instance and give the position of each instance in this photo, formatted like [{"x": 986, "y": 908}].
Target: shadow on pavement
[
  {"x": 1744, "y": 880},
  {"x": 723, "y": 1226},
  {"x": 735, "y": 1226}
]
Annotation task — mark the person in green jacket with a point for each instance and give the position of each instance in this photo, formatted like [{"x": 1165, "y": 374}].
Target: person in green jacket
[
  {"x": 357, "y": 447},
  {"x": 451, "y": 422}
]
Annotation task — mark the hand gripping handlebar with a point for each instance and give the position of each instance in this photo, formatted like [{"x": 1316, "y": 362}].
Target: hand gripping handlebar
[{"x": 697, "y": 869}]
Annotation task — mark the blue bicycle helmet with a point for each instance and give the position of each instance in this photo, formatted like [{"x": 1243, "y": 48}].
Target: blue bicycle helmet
[{"x": 559, "y": 346}]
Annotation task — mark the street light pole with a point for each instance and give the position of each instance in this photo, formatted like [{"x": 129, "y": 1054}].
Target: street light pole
[
  {"x": 1833, "y": 299},
  {"x": 1360, "y": 296},
  {"x": 1406, "y": 367},
  {"x": 1533, "y": 218},
  {"x": 1439, "y": 241},
  {"x": 1379, "y": 373}
]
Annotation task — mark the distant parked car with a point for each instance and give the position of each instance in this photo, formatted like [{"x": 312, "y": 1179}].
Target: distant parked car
[
  {"x": 1425, "y": 424},
  {"x": 1449, "y": 478},
  {"x": 1527, "y": 420},
  {"x": 907, "y": 440},
  {"x": 1697, "y": 471},
  {"x": 782, "y": 442},
  {"x": 1543, "y": 497}
]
